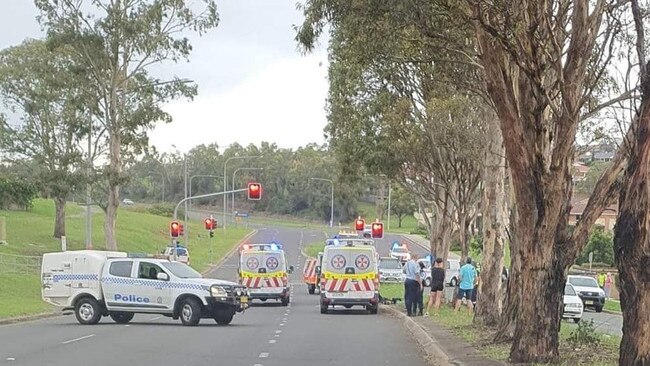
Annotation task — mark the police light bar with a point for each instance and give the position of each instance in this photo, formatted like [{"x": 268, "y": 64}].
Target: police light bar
[
  {"x": 246, "y": 247},
  {"x": 395, "y": 245}
]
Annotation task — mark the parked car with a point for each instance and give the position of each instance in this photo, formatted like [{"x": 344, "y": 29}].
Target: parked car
[
  {"x": 128, "y": 202},
  {"x": 182, "y": 254},
  {"x": 573, "y": 307},
  {"x": 390, "y": 270},
  {"x": 452, "y": 271},
  {"x": 589, "y": 292}
]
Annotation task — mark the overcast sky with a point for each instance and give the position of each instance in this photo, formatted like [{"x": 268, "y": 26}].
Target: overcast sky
[{"x": 253, "y": 84}]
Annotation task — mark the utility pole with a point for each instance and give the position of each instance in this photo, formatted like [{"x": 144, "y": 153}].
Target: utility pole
[
  {"x": 185, "y": 183},
  {"x": 89, "y": 187}
]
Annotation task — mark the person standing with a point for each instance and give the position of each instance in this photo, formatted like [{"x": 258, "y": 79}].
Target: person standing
[
  {"x": 609, "y": 281},
  {"x": 601, "y": 280},
  {"x": 437, "y": 286},
  {"x": 466, "y": 286},
  {"x": 419, "y": 303},
  {"x": 411, "y": 285}
]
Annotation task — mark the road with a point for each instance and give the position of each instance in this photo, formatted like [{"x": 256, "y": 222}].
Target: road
[{"x": 266, "y": 335}]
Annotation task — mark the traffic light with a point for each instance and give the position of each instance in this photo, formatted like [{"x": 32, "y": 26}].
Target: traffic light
[
  {"x": 254, "y": 191},
  {"x": 181, "y": 230},
  {"x": 359, "y": 224},
  {"x": 377, "y": 230},
  {"x": 175, "y": 229},
  {"x": 209, "y": 224}
]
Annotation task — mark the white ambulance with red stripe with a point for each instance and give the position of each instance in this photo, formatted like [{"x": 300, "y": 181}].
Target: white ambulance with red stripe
[
  {"x": 263, "y": 270},
  {"x": 349, "y": 275}
]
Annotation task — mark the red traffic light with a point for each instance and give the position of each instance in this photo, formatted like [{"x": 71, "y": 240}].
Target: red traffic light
[
  {"x": 377, "y": 230},
  {"x": 175, "y": 229},
  {"x": 359, "y": 224},
  {"x": 254, "y": 191}
]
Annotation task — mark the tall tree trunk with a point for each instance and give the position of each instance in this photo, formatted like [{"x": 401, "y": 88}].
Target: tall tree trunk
[
  {"x": 399, "y": 221},
  {"x": 488, "y": 310},
  {"x": 632, "y": 248},
  {"x": 59, "y": 217},
  {"x": 512, "y": 299},
  {"x": 462, "y": 233},
  {"x": 114, "y": 180}
]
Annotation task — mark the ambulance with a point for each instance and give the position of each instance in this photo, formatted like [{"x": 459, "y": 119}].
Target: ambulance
[
  {"x": 263, "y": 270},
  {"x": 349, "y": 275},
  {"x": 309, "y": 274},
  {"x": 95, "y": 284}
]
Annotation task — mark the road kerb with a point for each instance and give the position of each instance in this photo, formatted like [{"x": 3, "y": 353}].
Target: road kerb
[
  {"x": 28, "y": 318},
  {"x": 435, "y": 355},
  {"x": 230, "y": 253}
]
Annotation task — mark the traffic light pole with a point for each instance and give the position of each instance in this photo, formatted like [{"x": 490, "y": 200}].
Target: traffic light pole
[{"x": 187, "y": 199}]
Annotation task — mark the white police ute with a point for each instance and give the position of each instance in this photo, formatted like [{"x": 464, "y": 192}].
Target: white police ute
[{"x": 100, "y": 283}]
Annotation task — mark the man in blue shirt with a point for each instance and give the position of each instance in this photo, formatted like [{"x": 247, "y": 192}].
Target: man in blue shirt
[
  {"x": 466, "y": 286},
  {"x": 411, "y": 285}
]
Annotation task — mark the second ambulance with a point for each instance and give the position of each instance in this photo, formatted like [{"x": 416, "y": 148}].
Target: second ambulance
[
  {"x": 349, "y": 275},
  {"x": 263, "y": 270}
]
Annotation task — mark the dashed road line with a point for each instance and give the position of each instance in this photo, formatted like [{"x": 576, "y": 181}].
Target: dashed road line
[
  {"x": 264, "y": 355},
  {"x": 78, "y": 339},
  {"x": 271, "y": 341}
]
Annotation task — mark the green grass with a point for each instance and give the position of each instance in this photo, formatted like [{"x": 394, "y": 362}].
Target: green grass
[
  {"x": 605, "y": 353},
  {"x": 613, "y": 305},
  {"x": 30, "y": 234},
  {"x": 21, "y": 295},
  {"x": 391, "y": 290},
  {"x": 312, "y": 250}
]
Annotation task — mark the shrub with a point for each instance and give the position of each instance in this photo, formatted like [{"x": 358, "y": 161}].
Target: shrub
[{"x": 16, "y": 193}]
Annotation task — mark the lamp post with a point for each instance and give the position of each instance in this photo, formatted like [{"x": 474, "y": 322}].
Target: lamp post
[
  {"x": 200, "y": 176},
  {"x": 162, "y": 177},
  {"x": 232, "y": 197},
  {"x": 225, "y": 182},
  {"x": 332, "y": 204}
]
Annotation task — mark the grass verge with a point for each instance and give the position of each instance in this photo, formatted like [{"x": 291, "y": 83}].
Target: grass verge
[
  {"x": 573, "y": 349},
  {"x": 613, "y": 305},
  {"x": 30, "y": 234},
  {"x": 312, "y": 250}
]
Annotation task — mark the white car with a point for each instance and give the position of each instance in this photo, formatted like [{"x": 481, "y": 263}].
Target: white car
[
  {"x": 400, "y": 252},
  {"x": 390, "y": 270},
  {"x": 128, "y": 202},
  {"x": 589, "y": 292},
  {"x": 182, "y": 254},
  {"x": 573, "y": 307},
  {"x": 452, "y": 271}
]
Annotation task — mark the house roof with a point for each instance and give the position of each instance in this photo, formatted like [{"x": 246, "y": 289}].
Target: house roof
[{"x": 579, "y": 203}]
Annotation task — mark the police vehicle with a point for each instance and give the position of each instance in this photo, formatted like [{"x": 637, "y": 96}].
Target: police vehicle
[
  {"x": 100, "y": 283},
  {"x": 349, "y": 275},
  {"x": 263, "y": 270},
  {"x": 400, "y": 252}
]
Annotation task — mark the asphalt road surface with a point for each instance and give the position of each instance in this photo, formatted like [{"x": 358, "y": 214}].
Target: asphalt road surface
[{"x": 265, "y": 335}]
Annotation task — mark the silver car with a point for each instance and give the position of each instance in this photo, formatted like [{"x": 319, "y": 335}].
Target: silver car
[{"x": 390, "y": 270}]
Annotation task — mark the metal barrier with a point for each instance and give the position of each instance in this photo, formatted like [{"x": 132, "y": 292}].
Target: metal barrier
[{"x": 19, "y": 264}]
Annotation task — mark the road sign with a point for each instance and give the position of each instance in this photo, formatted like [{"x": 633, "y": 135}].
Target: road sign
[{"x": 241, "y": 214}]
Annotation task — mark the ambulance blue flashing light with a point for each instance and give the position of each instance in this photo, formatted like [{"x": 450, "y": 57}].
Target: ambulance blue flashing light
[{"x": 395, "y": 245}]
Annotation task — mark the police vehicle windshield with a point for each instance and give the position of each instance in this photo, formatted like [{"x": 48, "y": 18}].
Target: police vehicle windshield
[
  {"x": 181, "y": 270},
  {"x": 390, "y": 264}
]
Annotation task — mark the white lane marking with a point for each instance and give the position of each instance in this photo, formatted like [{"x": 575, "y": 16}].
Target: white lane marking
[
  {"x": 278, "y": 331},
  {"x": 277, "y": 335},
  {"x": 258, "y": 364},
  {"x": 11, "y": 359},
  {"x": 78, "y": 339},
  {"x": 282, "y": 324},
  {"x": 264, "y": 355},
  {"x": 272, "y": 341},
  {"x": 284, "y": 319}
]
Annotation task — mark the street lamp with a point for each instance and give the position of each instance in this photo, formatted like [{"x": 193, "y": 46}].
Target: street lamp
[
  {"x": 332, "y": 204},
  {"x": 162, "y": 177},
  {"x": 232, "y": 197},
  {"x": 225, "y": 182},
  {"x": 200, "y": 176}
]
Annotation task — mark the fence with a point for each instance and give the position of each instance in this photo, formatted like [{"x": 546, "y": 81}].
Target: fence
[{"x": 19, "y": 264}]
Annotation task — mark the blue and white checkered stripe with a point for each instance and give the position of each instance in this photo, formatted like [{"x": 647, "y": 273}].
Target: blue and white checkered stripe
[
  {"x": 75, "y": 277},
  {"x": 152, "y": 283}
]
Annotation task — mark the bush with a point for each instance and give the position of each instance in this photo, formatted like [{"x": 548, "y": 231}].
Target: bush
[
  {"x": 421, "y": 230},
  {"x": 16, "y": 193},
  {"x": 166, "y": 210},
  {"x": 584, "y": 335}
]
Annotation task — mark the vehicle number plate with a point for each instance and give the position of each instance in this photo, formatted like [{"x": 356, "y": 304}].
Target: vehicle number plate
[
  {"x": 589, "y": 302},
  {"x": 244, "y": 299},
  {"x": 336, "y": 294}
]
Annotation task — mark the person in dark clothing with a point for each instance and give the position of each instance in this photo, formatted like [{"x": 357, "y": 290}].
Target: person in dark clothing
[
  {"x": 419, "y": 304},
  {"x": 437, "y": 286},
  {"x": 411, "y": 285}
]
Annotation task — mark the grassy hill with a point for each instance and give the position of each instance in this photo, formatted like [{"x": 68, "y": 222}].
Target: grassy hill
[{"x": 30, "y": 234}]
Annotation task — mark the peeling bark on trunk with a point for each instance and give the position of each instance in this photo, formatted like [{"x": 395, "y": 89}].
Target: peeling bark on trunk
[
  {"x": 59, "y": 219},
  {"x": 113, "y": 191},
  {"x": 632, "y": 247},
  {"x": 488, "y": 310},
  {"x": 462, "y": 234}
]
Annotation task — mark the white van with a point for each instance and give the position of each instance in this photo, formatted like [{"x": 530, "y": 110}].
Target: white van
[
  {"x": 349, "y": 275},
  {"x": 452, "y": 272}
]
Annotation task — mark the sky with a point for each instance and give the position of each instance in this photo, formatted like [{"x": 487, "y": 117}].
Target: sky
[{"x": 253, "y": 84}]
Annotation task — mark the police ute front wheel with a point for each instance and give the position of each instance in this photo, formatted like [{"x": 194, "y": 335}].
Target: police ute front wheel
[
  {"x": 190, "y": 312},
  {"x": 285, "y": 301},
  {"x": 87, "y": 311},
  {"x": 121, "y": 317},
  {"x": 311, "y": 289}
]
